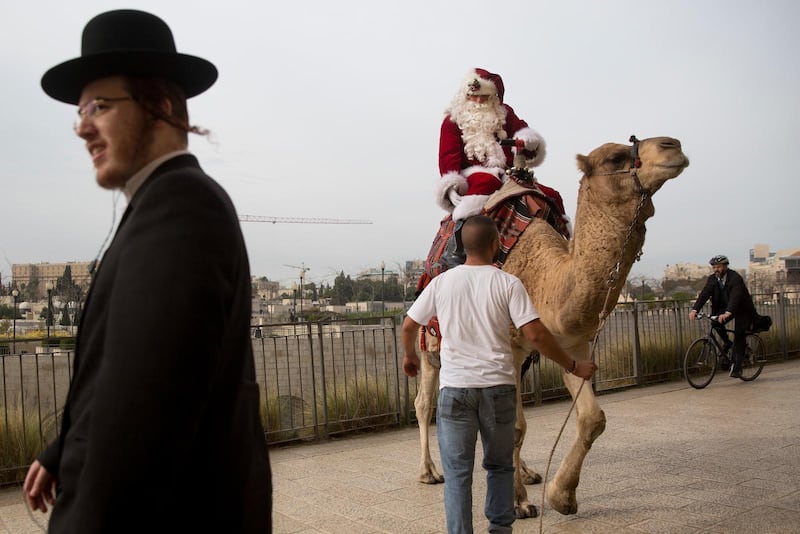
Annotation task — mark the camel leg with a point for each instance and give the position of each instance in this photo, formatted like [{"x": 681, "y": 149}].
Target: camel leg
[
  {"x": 423, "y": 404},
  {"x": 591, "y": 421},
  {"x": 522, "y": 473}
]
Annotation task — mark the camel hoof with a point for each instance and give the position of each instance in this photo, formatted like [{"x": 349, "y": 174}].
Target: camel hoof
[
  {"x": 428, "y": 478},
  {"x": 530, "y": 478},
  {"x": 562, "y": 501},
  {"x": 525, "y": 511}
]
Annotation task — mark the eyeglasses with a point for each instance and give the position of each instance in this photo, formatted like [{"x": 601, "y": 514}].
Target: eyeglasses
[{"x": 96, "y": 106}]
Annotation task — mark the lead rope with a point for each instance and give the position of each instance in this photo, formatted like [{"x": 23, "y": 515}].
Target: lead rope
[
  {"x": 42, "y": 526},
  {"x": 611, "y": 283}
]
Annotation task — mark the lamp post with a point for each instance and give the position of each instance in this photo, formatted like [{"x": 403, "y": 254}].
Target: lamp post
[
  {"x": 294, "y": 301},
  {"x": 383, "y": 287},
  {"x": 72, "y": 306},
  {"x": 49, "y": 308},
  {"x": 302, "y": 284},
  {"x": 15, "y": 294}
]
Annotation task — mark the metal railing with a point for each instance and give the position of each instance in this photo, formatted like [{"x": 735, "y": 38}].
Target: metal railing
[
  {"x": 322, "y": 378},
  {"x": 319, "y": 379}
]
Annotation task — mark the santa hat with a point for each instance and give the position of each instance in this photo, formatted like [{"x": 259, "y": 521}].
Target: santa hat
[{"x": 483, "y": 82}]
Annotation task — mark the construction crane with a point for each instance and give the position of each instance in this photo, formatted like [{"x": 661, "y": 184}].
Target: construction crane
[
  {"x": 303, "y": 220},
  {"x": 303, "y": 271}
]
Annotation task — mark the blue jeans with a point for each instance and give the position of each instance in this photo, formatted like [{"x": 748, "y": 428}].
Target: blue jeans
[{"x": 461, "y": 414}]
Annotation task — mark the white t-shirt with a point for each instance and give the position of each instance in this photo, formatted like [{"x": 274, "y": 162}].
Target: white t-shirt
[{"x": 475, "y": 305}]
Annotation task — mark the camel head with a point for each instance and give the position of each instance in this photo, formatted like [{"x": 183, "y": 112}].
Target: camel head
[
  {"x": 644, "y": 166},
  {"x": 614, "y": 203}
]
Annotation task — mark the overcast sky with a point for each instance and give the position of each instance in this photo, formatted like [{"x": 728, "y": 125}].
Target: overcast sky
[{"x": 332, "y": 110}]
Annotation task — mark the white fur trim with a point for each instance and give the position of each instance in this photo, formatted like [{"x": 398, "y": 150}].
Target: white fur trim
[
  {"x": 569, "y": 224},
  {"x": 533, "y": 141},
  {"x": 449, "y": 180},
  {"x": 470, "y": 205},
  {"x": 487, "y": 86}
]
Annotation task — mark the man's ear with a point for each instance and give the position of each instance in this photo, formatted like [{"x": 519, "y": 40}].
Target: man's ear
[{"x": 166, "y": 106}]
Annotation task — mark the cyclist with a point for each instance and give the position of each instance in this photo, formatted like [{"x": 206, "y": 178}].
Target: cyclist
[{"x": 729, "y": 299}]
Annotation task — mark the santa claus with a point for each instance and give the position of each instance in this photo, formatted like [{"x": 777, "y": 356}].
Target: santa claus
[{"x": 472, "y": 162}]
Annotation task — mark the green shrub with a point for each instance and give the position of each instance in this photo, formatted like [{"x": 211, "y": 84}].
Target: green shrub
[{"x": 22, "y": 442}]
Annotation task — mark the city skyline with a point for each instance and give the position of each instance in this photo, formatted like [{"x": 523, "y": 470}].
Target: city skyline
[{"x": 398, "y": 270}]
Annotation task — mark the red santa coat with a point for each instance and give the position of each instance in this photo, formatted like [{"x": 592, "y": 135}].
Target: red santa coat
[
  {"x": 451, "y": 149},
  {"x": 471, "y": 177}
]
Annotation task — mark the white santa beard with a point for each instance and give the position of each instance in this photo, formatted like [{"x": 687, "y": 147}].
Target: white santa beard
[{"x": 481, "y": 125}]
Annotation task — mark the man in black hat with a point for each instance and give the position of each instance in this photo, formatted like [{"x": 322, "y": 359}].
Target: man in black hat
[{"x": 161, "y": 428}]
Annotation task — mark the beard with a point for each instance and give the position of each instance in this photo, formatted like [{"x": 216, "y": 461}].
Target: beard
[
  {"x": 481, "y": 126},
  {"x": 132, "y": 148}
]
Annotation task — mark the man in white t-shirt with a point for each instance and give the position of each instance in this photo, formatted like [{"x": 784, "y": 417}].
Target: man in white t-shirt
[{"x": 476, "y": 303}]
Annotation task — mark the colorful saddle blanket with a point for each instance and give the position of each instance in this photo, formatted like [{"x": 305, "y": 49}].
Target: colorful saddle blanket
[{"x": 512, "y": 207}]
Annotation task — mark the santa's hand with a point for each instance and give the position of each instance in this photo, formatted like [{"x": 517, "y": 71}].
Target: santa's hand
[
  {"x": 532, "y": 145},
  {"x": 454, "y": 197}
]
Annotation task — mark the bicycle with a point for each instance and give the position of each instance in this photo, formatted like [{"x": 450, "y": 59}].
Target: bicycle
[{"x": 705, "y": 354}]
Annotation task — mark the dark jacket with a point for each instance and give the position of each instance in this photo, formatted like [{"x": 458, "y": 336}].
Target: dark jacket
[
  {"x": 734, "y": 298},
  {"x": 161, "y": 428}
]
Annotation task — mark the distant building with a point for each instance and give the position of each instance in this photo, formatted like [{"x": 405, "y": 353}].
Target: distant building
[
  {"x": 23, "y": 274},
  {"x": 773, "y": 271},
  {"x": 407, "y": 275},
  {"x": 265, "y": 288},
  {"x": 686, "y": 271},
  {"x": 760, "y": 253}
]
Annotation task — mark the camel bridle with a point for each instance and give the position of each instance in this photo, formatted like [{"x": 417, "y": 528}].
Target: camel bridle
[
  {"x": 633, "y": 170},
  {"x": 644, "y": 194}
]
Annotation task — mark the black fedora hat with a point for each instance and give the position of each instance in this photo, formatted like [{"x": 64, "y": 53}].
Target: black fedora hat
[{"x": 127, "y": 42}]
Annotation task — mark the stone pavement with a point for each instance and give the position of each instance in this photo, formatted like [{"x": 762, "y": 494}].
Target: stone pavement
[{"x": 722, "y": 460}]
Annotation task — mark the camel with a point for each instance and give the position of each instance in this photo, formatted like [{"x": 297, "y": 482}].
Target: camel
[{"x": 568, "y": 282}]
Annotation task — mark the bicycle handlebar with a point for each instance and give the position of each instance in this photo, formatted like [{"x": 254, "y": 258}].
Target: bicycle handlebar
[{"x": 702, "y": 315}]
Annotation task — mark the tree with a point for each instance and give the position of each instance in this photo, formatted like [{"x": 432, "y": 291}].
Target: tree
[
  {"x": 71, "y": 295},
  {"x": 683, "y": 285},
  {"x": 7, "y": 312},
  {"x": 344, "y": 289},
  {"x": 642, "y": 287},
  {"x": 29, "y": 291},
  {"x": 65, "y": 319}
]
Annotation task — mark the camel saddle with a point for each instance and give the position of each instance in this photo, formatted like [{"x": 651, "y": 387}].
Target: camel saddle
[{"x": 512, "y": 207}]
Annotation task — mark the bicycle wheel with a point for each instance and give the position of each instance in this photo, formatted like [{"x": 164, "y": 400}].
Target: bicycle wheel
[
  {"x": 700, "y": 363},
  {"x": 755, "y": 356}
]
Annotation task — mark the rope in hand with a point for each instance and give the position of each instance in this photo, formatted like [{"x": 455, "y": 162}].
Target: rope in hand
[{"x": 611, "y": 283}]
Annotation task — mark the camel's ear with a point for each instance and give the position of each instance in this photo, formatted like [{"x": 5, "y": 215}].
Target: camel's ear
[{"x": 583, "y": 165}]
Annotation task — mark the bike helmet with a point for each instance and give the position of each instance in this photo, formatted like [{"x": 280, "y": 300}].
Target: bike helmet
[{"x": 720, "y": 258}]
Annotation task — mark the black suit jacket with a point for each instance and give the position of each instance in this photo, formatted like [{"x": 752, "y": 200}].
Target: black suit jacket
[
  {"x": 734, "y": 298},
  {"x": 161, "y": 428}
]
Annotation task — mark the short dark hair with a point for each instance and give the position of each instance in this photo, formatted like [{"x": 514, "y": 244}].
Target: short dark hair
[{"x": 478, "y": 233}]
